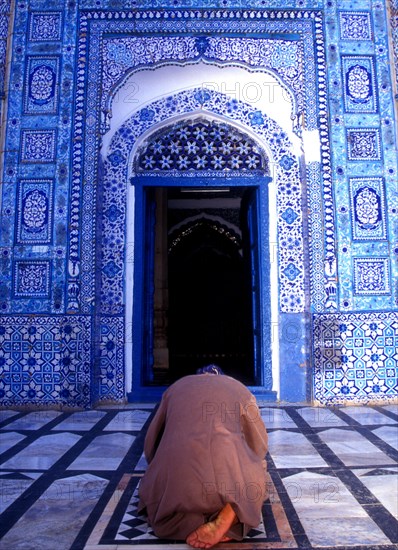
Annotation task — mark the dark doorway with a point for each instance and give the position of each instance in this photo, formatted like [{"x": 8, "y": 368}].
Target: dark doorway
[
  {"x": 200, "y": 292},
  {"x": 209, "y": 313}
]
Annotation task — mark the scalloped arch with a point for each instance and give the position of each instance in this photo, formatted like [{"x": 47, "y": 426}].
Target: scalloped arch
[{"x": 297, "y": 106}]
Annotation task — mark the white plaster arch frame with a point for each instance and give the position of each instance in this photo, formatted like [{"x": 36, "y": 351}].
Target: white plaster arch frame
[
  {"x": 118, "y": 91},
  {"x": 145, "y": 85},
  {"x": 130, "y": 55},
  {"x": 118, "y": 166}
]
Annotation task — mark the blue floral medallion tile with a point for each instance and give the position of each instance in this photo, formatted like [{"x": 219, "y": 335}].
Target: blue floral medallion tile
[
  {"x": 355, "y": 25},
  {"x": 34, "y": 212},
  {"x": 371, "y": 276},
  {"x": 363, "y": 144},
  {"x": 360, "y": 92},
  {"x": 368, "y": 209},
  {"x": 32, "y": 279},
  {"x": 45, "y": 26},
  {"x": 41, "y": 85},
  {"x": 38, "y": 145}
]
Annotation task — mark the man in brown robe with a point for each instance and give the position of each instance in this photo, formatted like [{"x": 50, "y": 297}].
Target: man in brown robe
[{"x": 206, "y": 448}]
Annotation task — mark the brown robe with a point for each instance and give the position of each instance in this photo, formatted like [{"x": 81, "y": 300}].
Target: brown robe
[{"x": 205, "y": 447}]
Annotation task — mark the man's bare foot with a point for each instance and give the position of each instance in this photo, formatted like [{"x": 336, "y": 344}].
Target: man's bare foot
[{"x": 212, "y": 532}]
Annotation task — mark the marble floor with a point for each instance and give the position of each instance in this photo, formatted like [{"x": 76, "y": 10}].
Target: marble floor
[{"x": 69, "y": 480}]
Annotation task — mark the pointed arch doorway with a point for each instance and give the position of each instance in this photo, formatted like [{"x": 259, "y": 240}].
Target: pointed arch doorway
[
  {"x": 201, "y": 262},
  {"x": 209, "y": 307}
]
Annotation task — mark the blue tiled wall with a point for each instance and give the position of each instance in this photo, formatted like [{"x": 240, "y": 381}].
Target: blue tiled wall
[{"x": 61, "y": 298}]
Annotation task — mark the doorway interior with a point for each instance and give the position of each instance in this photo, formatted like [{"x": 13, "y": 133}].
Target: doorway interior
[{"x": 202, "y": 279}]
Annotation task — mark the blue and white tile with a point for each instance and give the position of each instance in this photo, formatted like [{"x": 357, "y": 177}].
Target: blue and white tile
[{"x": 45, "y": 26}]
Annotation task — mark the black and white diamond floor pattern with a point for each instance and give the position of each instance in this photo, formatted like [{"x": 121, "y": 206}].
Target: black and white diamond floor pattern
[{"x": 134, "y": 527}]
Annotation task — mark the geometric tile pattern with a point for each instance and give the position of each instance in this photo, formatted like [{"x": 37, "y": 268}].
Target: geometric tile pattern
[
  {"x": 111, "y": 375},
  {"x": 91, "y": 22},
  {"x": 286, "y": 173},
  {"x": 94, "y": 26},
  {"x": 200, "y": 146},
  {"x": 321, "y": 294},
  {"x": 355, "y": 357},
  {"x": 368, "y": 209},
  {"x": 134, "y": 528},
  {"x": 115, "y": 55},
  {"x": 367, "y": 115},
  {"x": 45, "y": 86},
  {"x": 346, "y": 499},
  {"x": 45, "y": 360},
  {"x": 49, "y": 56}
]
